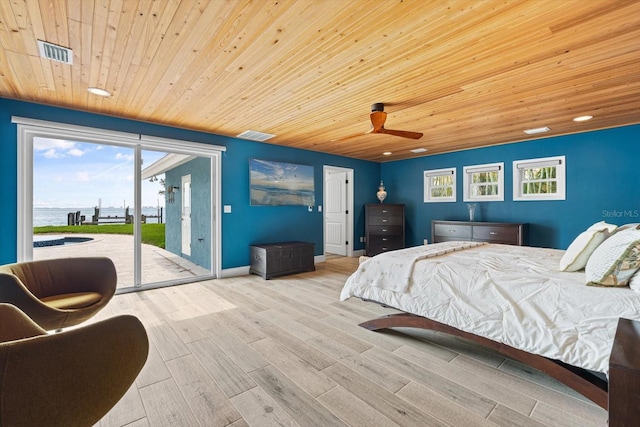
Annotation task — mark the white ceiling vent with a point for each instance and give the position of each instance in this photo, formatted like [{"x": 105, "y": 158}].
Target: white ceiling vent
[
  {"x": 537, "y": 130},
  {"x": 55, "y": 53},
  {"x": 254, "y": 135}
]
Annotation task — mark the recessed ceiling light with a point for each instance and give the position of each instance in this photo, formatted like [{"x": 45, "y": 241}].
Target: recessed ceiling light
[
  {"x": 99, "y": 92},
  {"x": 387, "y": 153},
  {"x": 537, "y": 130},
  {"x": 418, "y": 150},
  {"x": 582, "y": 118}
]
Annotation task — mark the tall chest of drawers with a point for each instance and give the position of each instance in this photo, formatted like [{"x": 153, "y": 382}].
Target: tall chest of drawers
[
  {"x": 492, "y": 232},
  {"x": 384, "y": 228}
]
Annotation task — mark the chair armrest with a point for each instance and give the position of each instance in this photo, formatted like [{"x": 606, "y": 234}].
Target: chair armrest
[
  {"x": 15, "y": 325},
  {"x": 49, "y": 277},
  {"x": 72, "y": 377}
]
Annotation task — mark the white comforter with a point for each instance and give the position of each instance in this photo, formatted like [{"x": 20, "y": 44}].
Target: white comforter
[{"x": 510, "y": 294}]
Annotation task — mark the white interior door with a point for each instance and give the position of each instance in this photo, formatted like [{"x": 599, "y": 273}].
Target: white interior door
[
  {"x": 335, "y": 206},
  {"x": 186, "y": 214}
]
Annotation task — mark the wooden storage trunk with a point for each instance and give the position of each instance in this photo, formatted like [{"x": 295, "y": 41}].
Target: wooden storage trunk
[{"x": 278, "y": 259}]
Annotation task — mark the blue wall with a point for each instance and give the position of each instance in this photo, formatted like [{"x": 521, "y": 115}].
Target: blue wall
[
  {"x": 603, "y": 183},
  {"x": 259, "y": 224},
  {"x": 200, "y": 171},
  {"x": 244, "y": 225}
]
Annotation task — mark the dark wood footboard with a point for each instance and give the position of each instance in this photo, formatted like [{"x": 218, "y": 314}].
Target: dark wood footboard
[
  {"x": 582, "y": 381},
  {"x": 624, "y": 375}
]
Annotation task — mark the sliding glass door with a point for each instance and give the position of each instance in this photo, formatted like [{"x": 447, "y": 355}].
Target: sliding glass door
[
  {"x": 83, "y": 202},
  {"x": 143, "y": 202}
]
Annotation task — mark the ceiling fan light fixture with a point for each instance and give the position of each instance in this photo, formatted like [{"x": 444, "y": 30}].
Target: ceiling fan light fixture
[
  {"x": 582, "y": 118},
  {"x": 98, "y": 91},
  {"x": 537, "y": 130}
]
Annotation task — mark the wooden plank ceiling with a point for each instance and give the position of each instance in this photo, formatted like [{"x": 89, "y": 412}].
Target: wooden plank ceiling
[{"x": 465, "y": 73}]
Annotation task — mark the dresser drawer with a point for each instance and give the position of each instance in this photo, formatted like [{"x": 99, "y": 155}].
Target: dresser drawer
[
  {"x": 496, "y": 234},
  {"x": 385, "y": 210},
  {"x": 385, "y": 220},
  {"x": 378, "y": 244},
  {"x": 395, "y": 241},
  {"x": 386, "y": 230},
  {"x": 452, "y": 232}
]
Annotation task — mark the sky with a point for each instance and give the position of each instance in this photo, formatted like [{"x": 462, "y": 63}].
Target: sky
[{"x": 70, "y": 174}]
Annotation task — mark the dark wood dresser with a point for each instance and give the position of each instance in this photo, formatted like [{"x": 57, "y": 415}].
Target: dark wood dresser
[
  {"x": 384, "y": 228},
  {"x": 493, "y": 232},
  {"x": 279, "y": 259}
]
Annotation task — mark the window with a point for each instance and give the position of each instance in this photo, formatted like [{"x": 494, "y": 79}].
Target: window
[
  {"x": 440, "y": 185},
  {"x": 484, "y": 183},
  {"x": 539, "y": 179}
]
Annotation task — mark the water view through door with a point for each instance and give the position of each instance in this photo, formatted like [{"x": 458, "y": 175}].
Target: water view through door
[{"x": 88, "y": 202}]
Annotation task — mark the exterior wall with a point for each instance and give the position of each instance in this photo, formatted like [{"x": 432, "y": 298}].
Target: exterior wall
[{"x": 200, "y": 171}]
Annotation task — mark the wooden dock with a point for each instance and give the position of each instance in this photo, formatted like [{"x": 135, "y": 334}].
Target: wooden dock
[{"x": 75, "y": 218}]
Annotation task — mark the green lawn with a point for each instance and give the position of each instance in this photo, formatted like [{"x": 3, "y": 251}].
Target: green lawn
[{"x": 152, "y": 234}]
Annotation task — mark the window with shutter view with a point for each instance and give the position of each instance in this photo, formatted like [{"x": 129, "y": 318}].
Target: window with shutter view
[{"x": 539, "y": 179}]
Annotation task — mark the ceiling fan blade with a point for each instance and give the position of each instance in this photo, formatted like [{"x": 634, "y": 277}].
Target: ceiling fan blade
[
  {"x": 378, "y": 117},
  {"x": 402, "y": 133},
  {"x": 377, "y": 120},
  {"x": 345, "y": 138}
]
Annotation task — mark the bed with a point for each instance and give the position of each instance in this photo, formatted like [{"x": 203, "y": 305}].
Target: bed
[{"x": 510, "y": 298}]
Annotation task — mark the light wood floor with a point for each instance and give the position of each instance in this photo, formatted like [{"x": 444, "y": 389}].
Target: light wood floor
[{"x": 248, "y": 352}]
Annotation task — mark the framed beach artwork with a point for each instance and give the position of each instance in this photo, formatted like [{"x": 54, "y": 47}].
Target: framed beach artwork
[{"x": 280, "y": 184}]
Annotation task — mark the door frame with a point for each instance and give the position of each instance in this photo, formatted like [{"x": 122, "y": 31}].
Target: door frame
[
  {"x": 326, "y": 170},
  {"x": 29, "y": 128},
  {"x": 186, "y": 197}
]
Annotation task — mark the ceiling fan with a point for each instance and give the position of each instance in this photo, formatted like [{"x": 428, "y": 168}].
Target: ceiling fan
[{"x": 378, "y": 117}]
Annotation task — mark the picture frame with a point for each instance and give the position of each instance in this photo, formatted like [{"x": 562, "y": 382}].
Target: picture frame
[{"x": 273, "y": 183}]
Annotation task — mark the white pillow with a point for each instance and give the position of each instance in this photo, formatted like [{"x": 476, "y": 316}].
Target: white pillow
[
  {"x": 615, "y": 260},
  {"x": 603, "y": 226},
  {"x": 579, "y": 251},
  {"x": 634, "y": 283},
  {"x": 628, "y": 226}
]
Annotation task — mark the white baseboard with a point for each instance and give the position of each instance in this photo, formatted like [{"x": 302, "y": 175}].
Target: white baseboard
[
  {"x": 243, "y": 271},
  {"x": 234, "y": 272}
]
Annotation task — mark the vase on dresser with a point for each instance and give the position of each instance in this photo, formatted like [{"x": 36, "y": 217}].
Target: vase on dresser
[
  {"x": 382, "y": 193},
  {"x": 472, "y": 211}
]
